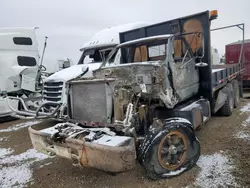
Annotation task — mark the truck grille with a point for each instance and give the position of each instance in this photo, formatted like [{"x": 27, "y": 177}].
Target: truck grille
[
  {"x": 53, "y": 91},
  {"x": 91, "y": 102}
]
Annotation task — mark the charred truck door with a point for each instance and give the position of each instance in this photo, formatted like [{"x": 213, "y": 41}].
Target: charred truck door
[{"x": 200, "y": 44}]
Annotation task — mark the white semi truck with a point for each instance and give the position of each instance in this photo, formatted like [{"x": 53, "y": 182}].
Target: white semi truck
[
  {"x": 215, "y": 56},
  {"x": 94, "y": 52},
  {"x": 20, "y": 72}
]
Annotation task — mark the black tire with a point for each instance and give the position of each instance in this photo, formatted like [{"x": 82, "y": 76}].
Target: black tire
[
  {"x": 7, "y": 119},
  {"x": 236, "y": 91},
  {"x": 227, "y": 108},
  {"x": 149, "y": 150}
]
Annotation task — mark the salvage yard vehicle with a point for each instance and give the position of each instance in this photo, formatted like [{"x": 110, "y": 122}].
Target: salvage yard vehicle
[
  {"x": 21, "y": 72},
  {"x": 93, "y": 53},
  {"x": 145, "y": 101}
]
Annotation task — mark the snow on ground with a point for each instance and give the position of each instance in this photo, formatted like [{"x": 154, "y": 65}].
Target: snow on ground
[
  {"x": 5, "y": 151},
  {"x": 15, "y": 176},
  {"x": 46, "y": 164},
  {"x": 246, "y": 122},
  {"x": 4, "y": 138},
  {"x": 245, "y": 108},
  {"x": 29, "y": 154},
  {"x": 20, "y": 126},
  {"x": 215, "y": 171},
  {"x": 15, "y": 170},
  {"x": 243, "y": 135}
]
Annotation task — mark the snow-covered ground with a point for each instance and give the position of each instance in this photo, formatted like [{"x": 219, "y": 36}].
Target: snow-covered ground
[
  {"x": 245, "y": 108},
  {"x": 20, "y": 126},
  {"x": 246, "y": 122},
  {"x": 216, "y": 168},
  {"x": 15, "y": 170},
  {"x": 4, "y": 152},
  {"x": 4, "y": 138},
  {"x": 215, "y": 171},
  {"x": 243, "y": 135}
]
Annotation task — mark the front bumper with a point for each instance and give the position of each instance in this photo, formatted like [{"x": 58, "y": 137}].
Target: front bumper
[{"x": 83, "y": 153}]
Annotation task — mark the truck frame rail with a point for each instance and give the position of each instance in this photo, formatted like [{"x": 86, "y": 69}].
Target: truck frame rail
[{"x": 221, "y": 74}]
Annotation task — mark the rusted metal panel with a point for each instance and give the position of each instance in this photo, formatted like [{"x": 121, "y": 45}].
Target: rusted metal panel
[{"x": 106, "y": 158}]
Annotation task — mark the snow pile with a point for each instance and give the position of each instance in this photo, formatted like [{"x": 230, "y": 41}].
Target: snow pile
[
  {"x": 15, "y": 170},
  {"x": 20, "y": 126},
  {"x": 243, "y": 135},
  {"x": 4, "y": 151},
  {"x": 215, "y": 172}
]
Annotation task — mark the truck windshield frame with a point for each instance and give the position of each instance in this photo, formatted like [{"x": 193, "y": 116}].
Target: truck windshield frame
[
  {"x": 128, "y": 51},
  {"x": 99, "y": 54},
  {"x": 165, "y": 46}
]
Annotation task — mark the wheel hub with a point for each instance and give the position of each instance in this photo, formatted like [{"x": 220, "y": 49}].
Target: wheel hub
[{"x": 172, "y": 150}]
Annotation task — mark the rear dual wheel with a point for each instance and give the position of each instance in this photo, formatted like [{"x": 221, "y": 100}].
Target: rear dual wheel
[
  {"x": 227, "y": 108},
  {"x": 236, "y": 91},
  {"x": 170, "y": 150},
  {"x": 232, "y": 100}
]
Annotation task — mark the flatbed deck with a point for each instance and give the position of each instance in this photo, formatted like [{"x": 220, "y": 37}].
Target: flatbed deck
[{"x": 223, "y": 73}]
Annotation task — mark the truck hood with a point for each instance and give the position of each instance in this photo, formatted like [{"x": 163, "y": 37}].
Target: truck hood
[{"x": 73, "y": 72}]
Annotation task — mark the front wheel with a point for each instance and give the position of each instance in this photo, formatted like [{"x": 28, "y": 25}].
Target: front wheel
[{"x": 170, "y": 150}]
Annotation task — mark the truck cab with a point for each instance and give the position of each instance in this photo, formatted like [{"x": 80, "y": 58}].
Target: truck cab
[
  {"x": 93, "y": 53},
  {"x": 19, "y": 64},
  {"x": 215, "y": 56},
  {"x": 18, "y": 59}
]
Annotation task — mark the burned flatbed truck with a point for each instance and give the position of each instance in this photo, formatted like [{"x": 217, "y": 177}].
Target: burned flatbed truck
[{"x": 145, "y": 101}]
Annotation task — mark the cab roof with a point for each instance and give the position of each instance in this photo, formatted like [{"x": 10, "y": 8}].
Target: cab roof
[{"x": 110, "y": 36}]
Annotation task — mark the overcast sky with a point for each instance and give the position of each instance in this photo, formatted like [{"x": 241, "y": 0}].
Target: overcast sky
[{"x": 69, "y": 24}]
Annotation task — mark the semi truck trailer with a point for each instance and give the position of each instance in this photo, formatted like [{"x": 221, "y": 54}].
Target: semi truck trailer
[
  {"x": 233, "y": 51},
  {"x": 145, "y": 101}
]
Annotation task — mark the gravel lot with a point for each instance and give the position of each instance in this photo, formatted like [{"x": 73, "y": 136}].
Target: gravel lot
[{"x": 225, "y": 147}]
